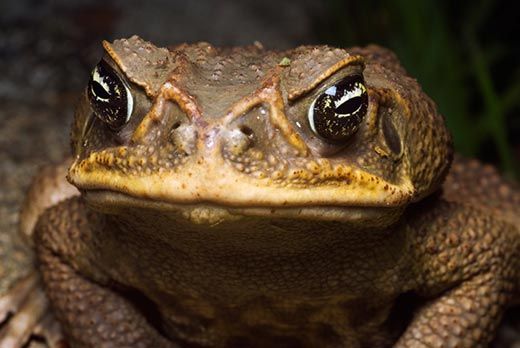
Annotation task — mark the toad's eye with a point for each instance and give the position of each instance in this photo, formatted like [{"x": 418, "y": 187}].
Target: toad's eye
[
  {"x": 109, "y": 96},
  {"x": 336, "y": 114}
]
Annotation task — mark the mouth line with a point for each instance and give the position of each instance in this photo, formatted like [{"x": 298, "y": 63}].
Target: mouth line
[{"x": 213, "y": 212}]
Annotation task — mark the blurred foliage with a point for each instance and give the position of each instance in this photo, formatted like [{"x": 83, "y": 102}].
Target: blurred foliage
[{"x": 464, "y": 54}]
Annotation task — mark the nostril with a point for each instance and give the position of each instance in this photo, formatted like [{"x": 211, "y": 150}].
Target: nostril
[
  {"x": 176, "y": 125},
  {"x": 247, "y": 131}
]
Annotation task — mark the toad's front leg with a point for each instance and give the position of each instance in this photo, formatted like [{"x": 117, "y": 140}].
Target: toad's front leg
[
  {"x": 23, "y": 305},
  {"x": 466, "y": 316},
  {"x": 470, "y": 264},
  {"x": 91, "y": 313}
]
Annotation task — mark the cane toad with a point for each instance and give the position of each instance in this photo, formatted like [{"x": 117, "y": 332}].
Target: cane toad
[{"x": 250, "y": 198}]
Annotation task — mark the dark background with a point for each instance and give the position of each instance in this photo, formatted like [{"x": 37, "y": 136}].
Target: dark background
[{"x": 464, "y": 53}]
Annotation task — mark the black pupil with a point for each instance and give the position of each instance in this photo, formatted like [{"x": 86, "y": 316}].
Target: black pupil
[
  {"x": 338, "y": 113},
  {"x": 349, "y": 106},
  {"x": 107, "y": 95},
  {"x": 99, "y": 90}
]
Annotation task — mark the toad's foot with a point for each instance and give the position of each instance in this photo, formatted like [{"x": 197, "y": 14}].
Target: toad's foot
[
  {"x": 25, "y": 311},
  {"x": 92, "y": 313}
]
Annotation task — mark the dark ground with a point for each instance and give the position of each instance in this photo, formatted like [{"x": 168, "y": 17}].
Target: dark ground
[{"x": 47, "y": 50}]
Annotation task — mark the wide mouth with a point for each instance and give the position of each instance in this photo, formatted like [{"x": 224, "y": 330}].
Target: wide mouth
[
  {"x": 200, "y": 196},
  {"x": 206, "y": 180}
]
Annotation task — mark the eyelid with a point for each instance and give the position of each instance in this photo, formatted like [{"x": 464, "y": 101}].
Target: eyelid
[
  {"x": 345, "y": 62},
  {"x": 109, "y": 63}
]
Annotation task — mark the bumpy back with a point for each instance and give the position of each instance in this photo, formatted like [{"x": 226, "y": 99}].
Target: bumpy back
[{"x": 473, "y": 183}]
